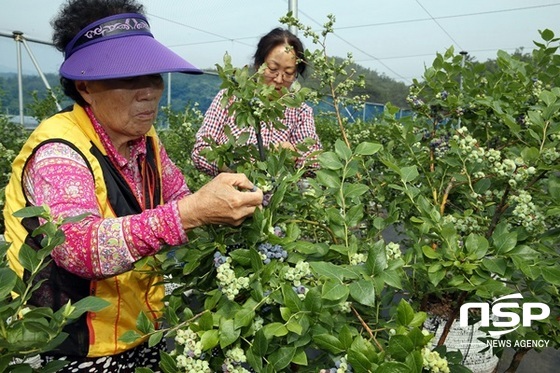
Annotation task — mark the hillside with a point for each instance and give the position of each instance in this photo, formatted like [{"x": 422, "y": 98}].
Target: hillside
[{"x": 188, "y": 89}]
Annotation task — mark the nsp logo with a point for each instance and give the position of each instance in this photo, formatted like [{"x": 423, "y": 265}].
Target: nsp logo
[{"x": 499, "y": 310}]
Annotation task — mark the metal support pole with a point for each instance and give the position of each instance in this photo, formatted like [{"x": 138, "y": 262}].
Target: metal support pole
[
  {"x": 45, "y": 81},
  {"x": 17, "y": 35},
  {"x": 168, "y": 97},
  {"x": 293, "y": 7},
  {"x": 464, "y": 54}
]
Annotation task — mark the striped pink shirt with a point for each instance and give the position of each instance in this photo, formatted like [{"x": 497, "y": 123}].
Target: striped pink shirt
[
  {"x": 299, "y": 125},
  {"x": 98, "y": 247}
]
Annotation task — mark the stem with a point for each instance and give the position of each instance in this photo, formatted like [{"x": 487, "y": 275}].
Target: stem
[
  {"x": 500, "y": 209},
  {"x": 180, "y": 325},
  {"x": 260, "y": 145},
  {"x": 544, "y": 136},
  {"x": 325, "y": 227},
  {"x": 367, "y": 328},
  {"x": 452, "y": 317},
  {"x": 445, "y": 196},
  {"x": 516, "y": 360}
]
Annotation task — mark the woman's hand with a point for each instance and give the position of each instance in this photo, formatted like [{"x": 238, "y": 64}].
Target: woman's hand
[
  {"x": 286, "y": 145},
  {"x": 229, "y": 198}
]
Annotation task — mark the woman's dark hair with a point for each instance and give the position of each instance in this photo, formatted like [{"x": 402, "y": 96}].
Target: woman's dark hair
[
  {"x": 73, "y": 16},
  {"x": 274, "y": 38}
]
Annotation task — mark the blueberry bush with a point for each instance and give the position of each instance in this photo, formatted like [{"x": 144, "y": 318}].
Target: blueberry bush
[
  {"x": 26, "y": 331},
  {"x": 406, "y": 217}
]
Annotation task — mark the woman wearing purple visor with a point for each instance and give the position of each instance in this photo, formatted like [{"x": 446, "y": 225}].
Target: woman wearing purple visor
[{"x": 102, "y": 157}]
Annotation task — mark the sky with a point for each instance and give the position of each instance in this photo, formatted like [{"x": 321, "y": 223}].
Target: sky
[{"x": 395, "y": 38}]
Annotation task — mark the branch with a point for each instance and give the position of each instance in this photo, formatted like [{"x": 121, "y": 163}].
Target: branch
[
  {"x": 451, "y": 318},
  {"x": 516, "y": 360},
  {"x": 367, "y": 328}
]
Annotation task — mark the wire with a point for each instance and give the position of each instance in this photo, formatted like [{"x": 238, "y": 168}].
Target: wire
[
  {"x": 224, "y": 38},
  {"x": 446, "y": 17},
  {"x": 356, "y": 48},
  {"x": 439, "y": 25}
]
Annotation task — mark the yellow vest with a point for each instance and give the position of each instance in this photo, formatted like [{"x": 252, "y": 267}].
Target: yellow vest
[{"x": 96, "y": 333}]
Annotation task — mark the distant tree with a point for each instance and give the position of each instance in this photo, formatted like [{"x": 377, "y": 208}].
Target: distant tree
[
  {"x": 12, "y": 137},
  {"x": 379, "y": 88}
]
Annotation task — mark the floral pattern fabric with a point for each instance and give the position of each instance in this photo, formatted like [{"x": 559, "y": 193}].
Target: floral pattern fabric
[{"x": 98, "y": 247}]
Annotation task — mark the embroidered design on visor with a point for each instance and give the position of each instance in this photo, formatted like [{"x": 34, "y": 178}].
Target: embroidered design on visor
[{"x": 119, "y": 25}]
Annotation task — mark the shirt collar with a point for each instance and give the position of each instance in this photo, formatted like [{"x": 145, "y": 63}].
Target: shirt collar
[{"x": 137, "y": 147}]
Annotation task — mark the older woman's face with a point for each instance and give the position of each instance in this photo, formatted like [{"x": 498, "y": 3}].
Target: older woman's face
[{"x": 127, "y": 107}]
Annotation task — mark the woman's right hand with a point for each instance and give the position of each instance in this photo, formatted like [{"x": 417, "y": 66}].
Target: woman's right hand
[{"x": 226, "y": 199}]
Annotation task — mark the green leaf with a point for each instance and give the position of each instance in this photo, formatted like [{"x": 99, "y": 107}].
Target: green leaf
[
  {"x": 256, "y": 260},
  {"x": 244, "y": 317},
  {"x": 530, "y": 155},
  {"x": 300, "y": 358},
  {"x": 228, "y": 332},
  {"x": 167, "y": 363},
  {"x": 415, "y": 362},
  {"x": 29, "y": 212},
  {"x": 334, "y": 290},
  {"x": 130, "y": 336},
  {"x": 310, "y": 248},
  {"x": 8, "y": 279},
  {"x": 260, "y": 344},
  {"x": 282, "y": 357},
  {"x": 274, "y": 329},
  {"x": 28, "y": 258},
  {"x": 359, "y": 361},
  {"x": 505, "y": 242},
  {"x": 547, "y": 35},
  {"x": 329, "y": 343},
  {"x": 399, "y": 347},
  {"x": 330, "y": 161},
  {"x": 354, "y": 215},
  {"x": 294, "y": 326},
  {"x": 367, "y": 148},
  {"x": 254, "y": 360},
  {"x": 328, "y": 178},
  {"x": 240, "y": 256},
  {"x": 376, "y": 261},
  {"x": 90, "y": 303},
  {"x": 436, "y": 277},
  {"x": 144, "y": 324},
  {"x": 416, "y": 336},
  {"x": 477, "y": 246},
  {"x": 328, "y": 270},
  {"x": 291, "y": 300},
  {"x": 495, "y": 265},
  {"x": 342, "y": 150},
  {"x": 53, "y": 366},
  {"x": 405, "y": 313},
  {"x": 430, "y": 252},
  {"x": 354, "y": 190},
  {"x": 393, "y": 367},
  {"x": 345, "y": 337},
  {"x": 155, "y": 338},
  {"x": 548, "y": 97},
  {"x": 392, "y": 278},
  {"x": 206, "y": 321},
  {"x": 408, "y": 174},
  {"x": 313, "y": 302},
  {"x": 363, "y": 291},
  {"x": 209, "y": 339},
  {"x": 551, "y": 275}
]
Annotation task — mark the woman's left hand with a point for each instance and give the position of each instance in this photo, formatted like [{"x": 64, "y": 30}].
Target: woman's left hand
[{"x": 286, "y": 145}]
